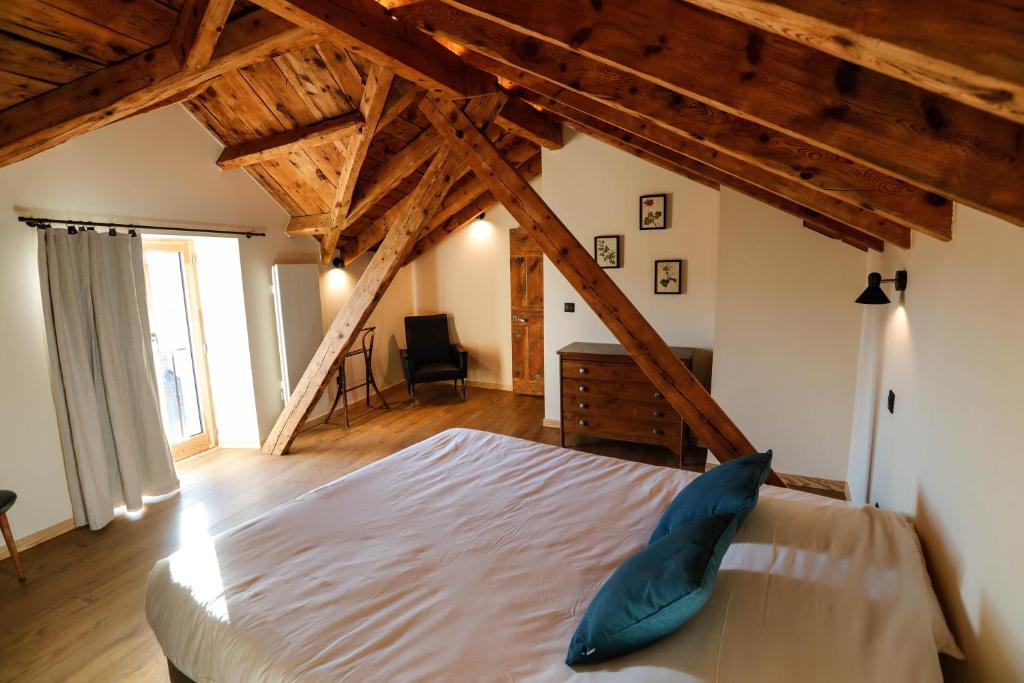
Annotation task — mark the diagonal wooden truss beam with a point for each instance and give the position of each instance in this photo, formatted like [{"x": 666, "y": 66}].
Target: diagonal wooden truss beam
[
  {"x": 371, "y": 286},
  {"x": 371, "y": 106},
  {"x": 199, "y": 26},
  {"x": 609, "y": 93},
  {"x": 969, "y": 50},
  {"x": 367, "y": 28},
  {"x": 936, "y": 143},
  {"x": 682, "y": 390},
  {"x": 286, "y": 142},
  {"x": 120, "y": 90},
  {"x": 374, "y": 233}
]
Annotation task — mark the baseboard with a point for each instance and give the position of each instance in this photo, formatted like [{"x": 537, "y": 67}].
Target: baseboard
[
  {"x": 38, "y": 537},
  {"x": 477, "y": 384},
  {"x": 834, "y": 485},
  {"x": 846, "y": 491},
  {"x": 554, "y": 424}
]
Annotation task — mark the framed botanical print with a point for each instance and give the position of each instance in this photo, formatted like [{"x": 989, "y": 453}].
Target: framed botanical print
[
  {"x": 653, "y": 212},
  {"x": 668, "y": 276},
  {"x": 608, "y": 251}
]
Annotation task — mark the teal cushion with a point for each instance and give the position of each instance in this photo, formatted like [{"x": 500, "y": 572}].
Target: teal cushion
[
  {"x": 654, "y": 592},
  {"x": 731, "y": 488}
]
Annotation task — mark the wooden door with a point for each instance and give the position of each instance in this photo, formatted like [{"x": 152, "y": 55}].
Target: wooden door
[{"x": 527, "y": 272}]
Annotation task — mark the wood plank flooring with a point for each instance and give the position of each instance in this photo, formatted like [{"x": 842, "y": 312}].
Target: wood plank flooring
[{"x": 79, "y": 617}]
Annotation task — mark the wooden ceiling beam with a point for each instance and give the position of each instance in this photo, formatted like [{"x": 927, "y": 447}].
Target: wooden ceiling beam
[
  {"x": 281, "y": 144},
  {"x": 926, "y": 139},
  {"x": 371, "y": 107},
  {"x": 661, "y": 142},
  {"x": 570, "y": 77},
  {"x": 200, "y": 23},
  {"x": 680, "y": 388},
  {"x": 714, "y": 178},
  {"x": 125, "y": 88},
  {"x": 367, "y": 28},
  {"x": 424, "y": 200},
  {"x": 969, "y": 50}
]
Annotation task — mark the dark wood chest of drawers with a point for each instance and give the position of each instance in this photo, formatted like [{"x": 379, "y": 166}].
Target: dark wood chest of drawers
[{"x": 605, "y": 394}]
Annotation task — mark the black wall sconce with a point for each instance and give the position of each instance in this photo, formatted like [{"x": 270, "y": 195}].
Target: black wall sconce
[
  {"x": 338, "y": 263},
  {"x": 874, "y": 295}
]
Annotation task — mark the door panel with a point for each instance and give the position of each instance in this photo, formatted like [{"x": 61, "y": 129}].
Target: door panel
[{"x": 526, "y": 269}]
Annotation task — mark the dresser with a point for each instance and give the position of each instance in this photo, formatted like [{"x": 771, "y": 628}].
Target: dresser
[{"x": 605, "y": 394}]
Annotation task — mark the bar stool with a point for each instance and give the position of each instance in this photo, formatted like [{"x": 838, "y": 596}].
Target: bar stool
[
  {"x": 7, "y": 499},
  {"x": 365, "y": 351}
]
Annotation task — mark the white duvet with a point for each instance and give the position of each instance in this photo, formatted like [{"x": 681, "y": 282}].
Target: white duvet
[{"x": 472, "y": 556}]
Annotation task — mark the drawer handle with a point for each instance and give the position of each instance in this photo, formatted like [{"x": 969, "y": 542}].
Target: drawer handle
[
  {"x": 584, "y": 389},
  {"x": 583, "y": 423},
  {"x": 583, "y": 371},
  {"x": 657, "y": 394},
  {"x": 583, "y": 406},
  {"x": 657, "y": 432},
  {"x": 658, "y": 413}
]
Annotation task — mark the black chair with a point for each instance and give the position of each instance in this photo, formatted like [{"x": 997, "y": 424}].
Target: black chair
[
  {"x": 7, "y": 499},
  {"x": 430, "y": 356}
]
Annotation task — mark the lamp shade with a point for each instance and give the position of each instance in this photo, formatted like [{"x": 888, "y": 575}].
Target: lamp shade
[{"x": 873, "y": 294}]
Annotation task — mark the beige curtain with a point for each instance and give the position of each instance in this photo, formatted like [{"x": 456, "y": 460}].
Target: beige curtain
[{"x": 101, "y": 372}]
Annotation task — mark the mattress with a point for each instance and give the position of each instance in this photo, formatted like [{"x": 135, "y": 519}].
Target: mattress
[{"x": 472, "y": 556}]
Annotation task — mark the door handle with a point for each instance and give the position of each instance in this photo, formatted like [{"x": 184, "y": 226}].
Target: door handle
[{"x": 519, "y": 319}]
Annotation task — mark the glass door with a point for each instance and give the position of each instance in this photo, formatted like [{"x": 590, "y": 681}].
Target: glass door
[{"x": 179, "y": 351}]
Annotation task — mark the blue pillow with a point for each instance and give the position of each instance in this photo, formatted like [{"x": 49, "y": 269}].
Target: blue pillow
[
  {"x": 654, "y": 592},
  {"x": 731, "y": 488}
]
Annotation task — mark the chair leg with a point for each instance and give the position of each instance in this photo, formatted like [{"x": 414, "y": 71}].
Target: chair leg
[
  {"x": 463, "y": 388},
  {"x": 5, "y": 527}
]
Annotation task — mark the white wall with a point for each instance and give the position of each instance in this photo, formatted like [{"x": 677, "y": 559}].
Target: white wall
[
  {"x": 594, "y": 188},
  {"x": 950, "y": 455},
  {"x": 787, "y": 336},
  {"x": 152, "y": 168}
]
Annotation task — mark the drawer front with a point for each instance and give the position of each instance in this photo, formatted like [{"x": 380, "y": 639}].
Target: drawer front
[
  {"x": 611, "y": 407},
  {"x": 624, "y": 428},
  {"x": 617, "y": 372},
  {"x": 629, "y": 391}
]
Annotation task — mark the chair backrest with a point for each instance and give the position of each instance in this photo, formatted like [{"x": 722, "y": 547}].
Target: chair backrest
[{"x": 426, "y": 338}]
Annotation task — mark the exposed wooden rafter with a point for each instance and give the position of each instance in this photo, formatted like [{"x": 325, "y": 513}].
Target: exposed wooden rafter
[
  {"x": 372, "y": 284},
  {"x": 367, "y": 28},
  {"x": 117, "y": 91},
  {"x": 681, "y": 389},
  {"x": 199, "y": 26},
  {"x": 969, "y": 50},
  {"x": 279, "y": 144},
  {"x": 902, "y": 129},
  {"x": 609, "y": 93}
]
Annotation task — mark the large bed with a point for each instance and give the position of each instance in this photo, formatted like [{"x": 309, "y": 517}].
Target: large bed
[{"x": 472, "y": 556}]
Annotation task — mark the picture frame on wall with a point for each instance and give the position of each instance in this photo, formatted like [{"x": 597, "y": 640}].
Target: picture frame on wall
[
  {"x": 608, "y": 251},
  {"x": 668, "y": 276},
  {"x": 654, "y": 212}
]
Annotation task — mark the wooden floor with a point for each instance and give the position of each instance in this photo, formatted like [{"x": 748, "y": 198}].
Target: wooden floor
[{"x": 79, "y": 617}]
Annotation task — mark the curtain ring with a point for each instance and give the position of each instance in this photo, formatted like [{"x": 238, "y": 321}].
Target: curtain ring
[{"x": 72, "y": 230}]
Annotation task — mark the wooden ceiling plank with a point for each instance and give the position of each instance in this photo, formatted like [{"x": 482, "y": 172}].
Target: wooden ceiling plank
[
  {"x": 199, "y": 26},
  {"x": 926, "y": 139},
  {"x": 562, "y": 74},
  {"x": 969, "y": 50},
  {"x": 255, "y": 151},
  {"x": 371, "y": 287},
  {"x": 375, "y": 94},
  {"x": 680, "y": 388},
  {"x": 15, "y": 88},
  {"x": 309, "y": 75},
  {"x": 654, "y": 137},
  {"x": 54, "y": 27},
  {"x": 148, "y": 21},
  {"x": 123, "y": 89},
  {"x": 344, "y": 70},
  {"x": 42, "y": 63}
]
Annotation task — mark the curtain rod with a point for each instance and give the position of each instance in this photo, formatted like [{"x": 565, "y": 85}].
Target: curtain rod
[{"x": 34, "y": 222}]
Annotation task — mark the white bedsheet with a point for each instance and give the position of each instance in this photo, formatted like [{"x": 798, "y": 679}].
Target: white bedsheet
[{"x": 472, "y": 556}]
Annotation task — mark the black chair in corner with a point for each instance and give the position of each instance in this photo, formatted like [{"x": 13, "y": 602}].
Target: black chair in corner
[{"x": 430, "y": 356}]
